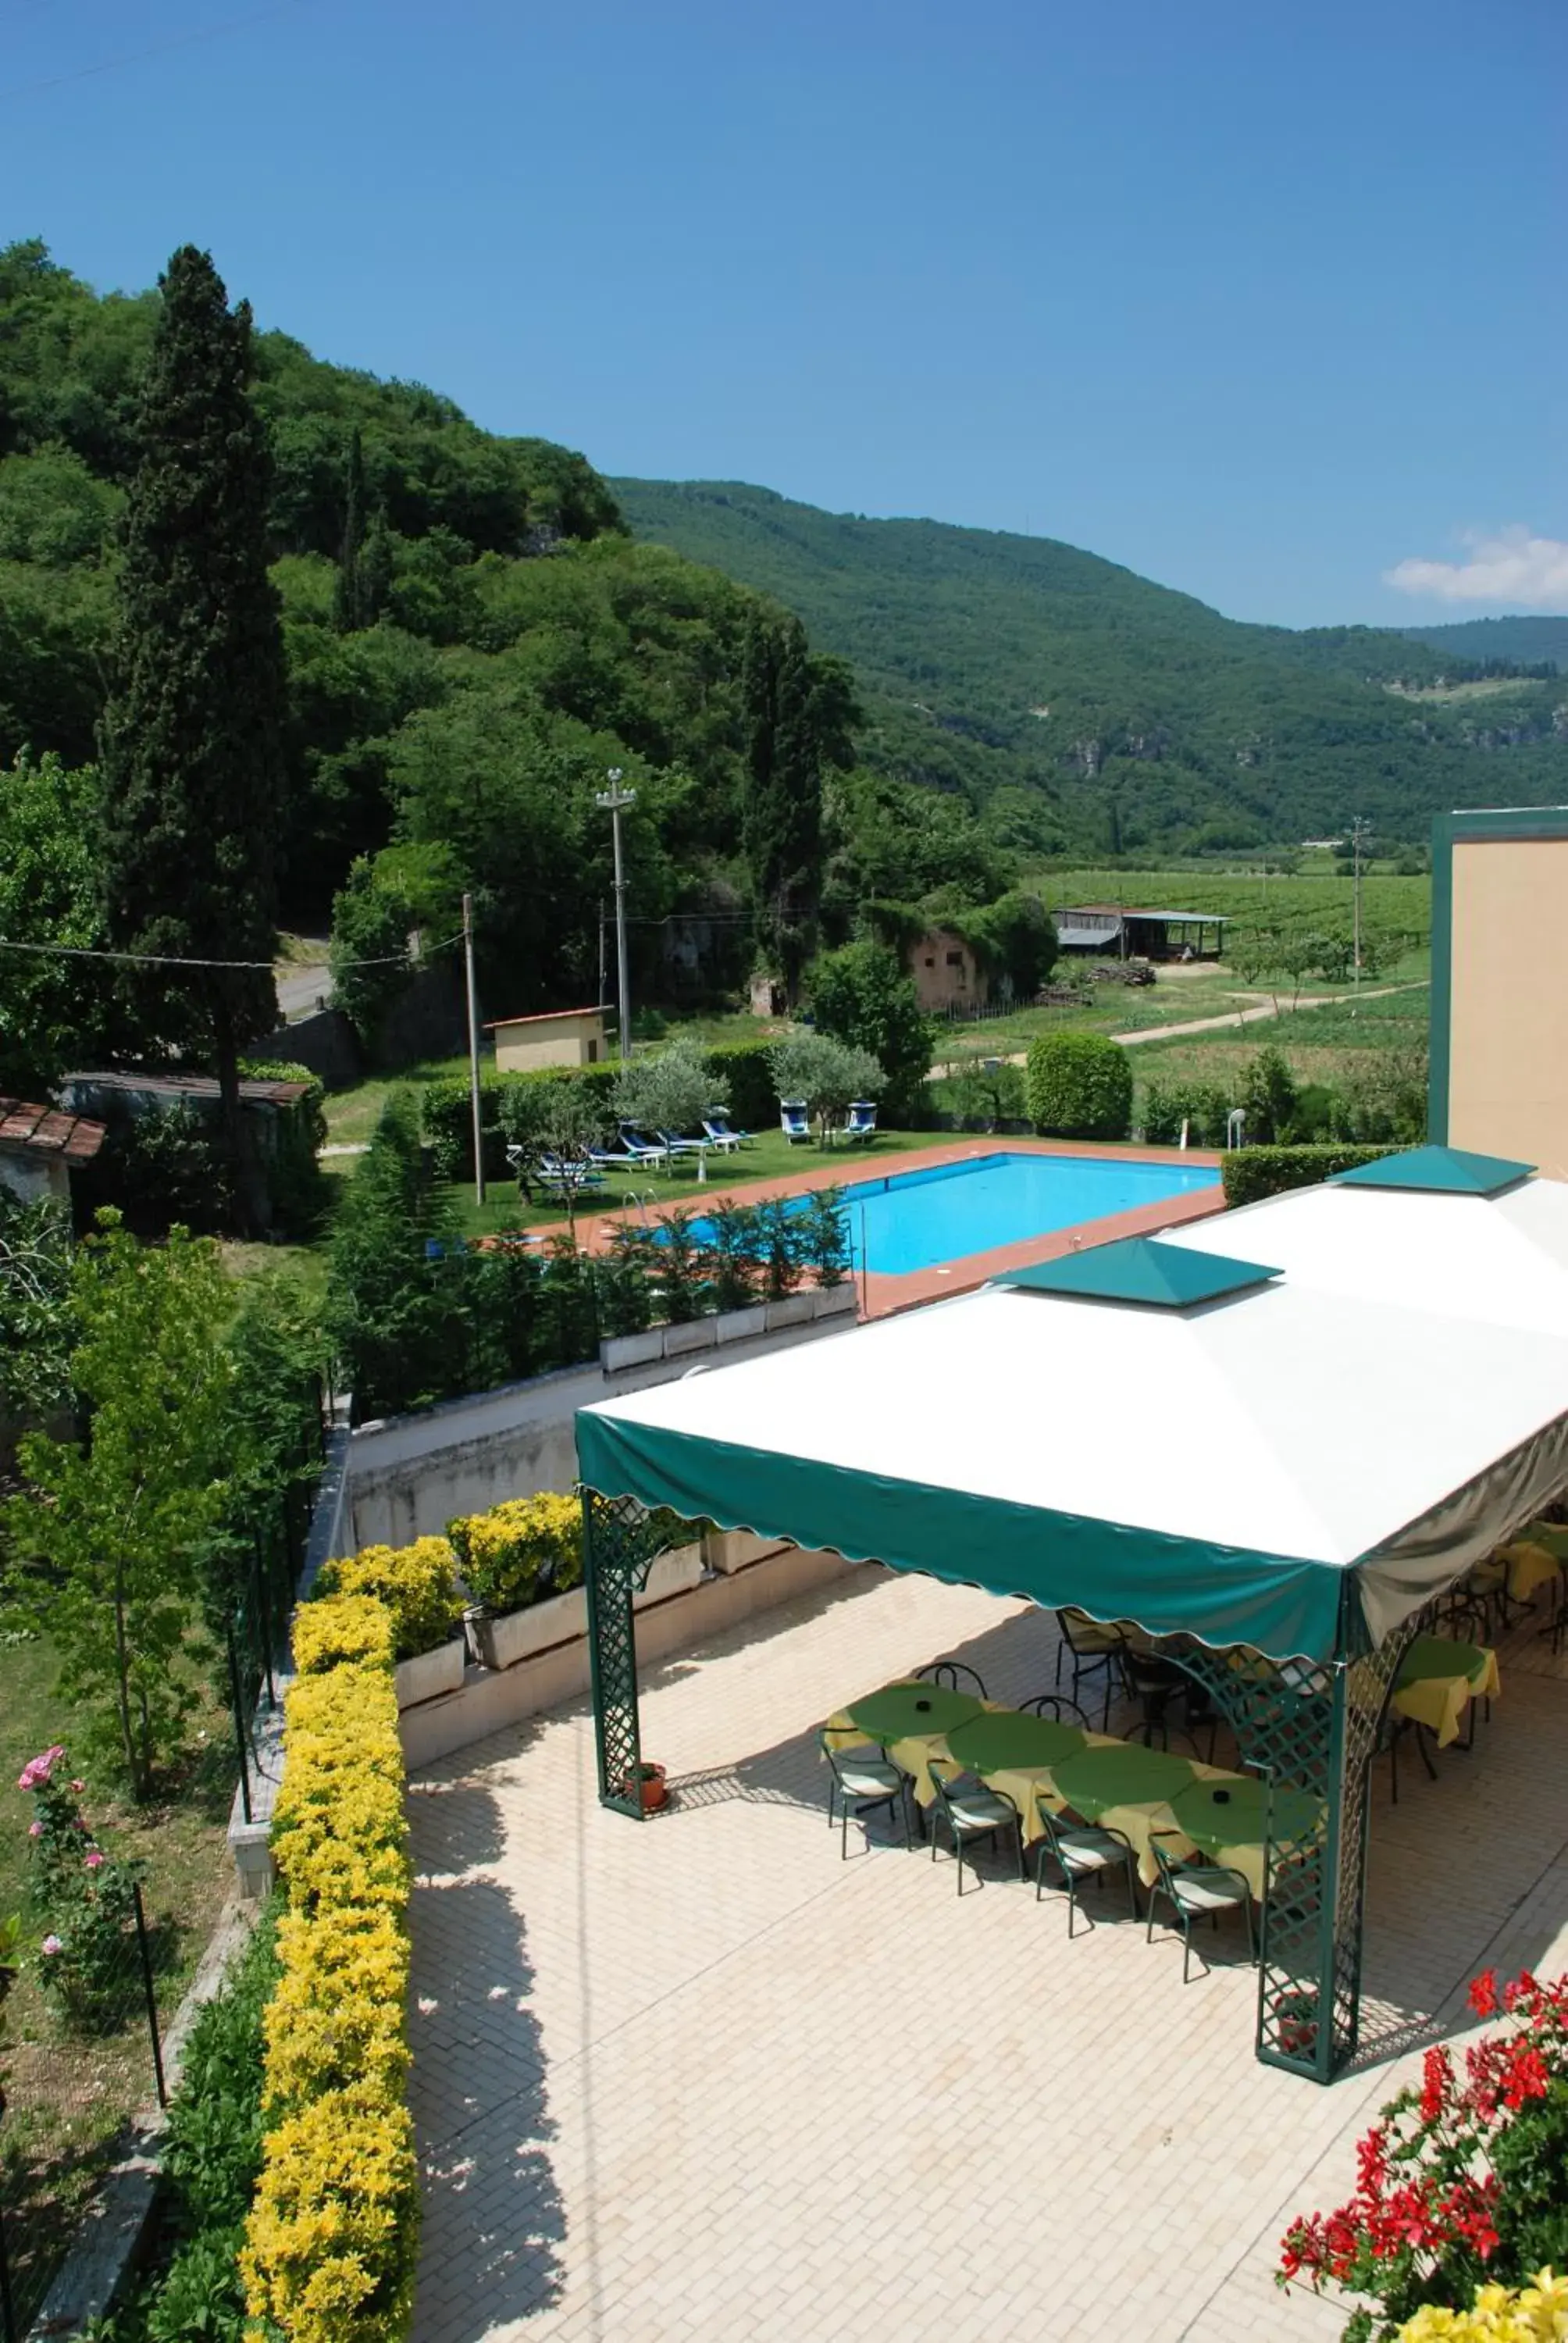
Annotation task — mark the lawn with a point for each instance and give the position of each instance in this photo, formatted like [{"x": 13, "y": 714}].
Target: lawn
[{"x": 68, "y": 2099}]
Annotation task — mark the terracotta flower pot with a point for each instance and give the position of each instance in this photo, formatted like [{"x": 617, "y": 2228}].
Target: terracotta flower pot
[{"x": 650, "y": 1783}]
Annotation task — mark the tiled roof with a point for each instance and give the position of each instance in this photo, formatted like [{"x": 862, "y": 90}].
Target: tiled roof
[{"x": 44, "y": 1131}]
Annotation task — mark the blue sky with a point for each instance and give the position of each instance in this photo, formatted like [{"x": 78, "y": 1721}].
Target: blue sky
[{"x": 1262, "y": 301}]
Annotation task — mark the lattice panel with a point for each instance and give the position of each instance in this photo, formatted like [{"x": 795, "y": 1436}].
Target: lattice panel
[{"x": 621, "y": 1542}]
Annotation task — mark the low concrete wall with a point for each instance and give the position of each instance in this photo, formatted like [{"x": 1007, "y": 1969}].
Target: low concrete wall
[
  {"x": 410, "y": 1475},
  {"x": 487, "y": 1702}
]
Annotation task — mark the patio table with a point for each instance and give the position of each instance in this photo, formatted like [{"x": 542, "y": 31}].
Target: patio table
[
  {"x": 912, "y": 1722},
  {"x": 1226, "y": 1818},
  {"x": 1129, "y": 1788},
  {"x": 1438, "y": 1679},
  {"x": 1017, "y": 1754},
  {"x": 1534, "y": 1560}
]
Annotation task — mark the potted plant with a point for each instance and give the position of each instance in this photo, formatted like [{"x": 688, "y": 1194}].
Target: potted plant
[
  {"x": 418, "y": 1584},
  {"x": 522, "y": 1564},
  {"x": 650, "y": 1784}
]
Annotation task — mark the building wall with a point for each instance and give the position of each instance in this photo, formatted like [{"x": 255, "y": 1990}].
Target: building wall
[
  {"x": 1506, "y": 990},
  {"x": 31, "y": 1175},
  {"x": 523, "y": 1049},
  {"x": 945, "y": 971}
]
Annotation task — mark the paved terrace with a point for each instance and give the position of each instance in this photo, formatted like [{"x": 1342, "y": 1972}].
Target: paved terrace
[{"x": 697, "y": 2081}]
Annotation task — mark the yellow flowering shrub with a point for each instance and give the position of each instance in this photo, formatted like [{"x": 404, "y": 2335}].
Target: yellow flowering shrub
[
  {"x": 418, "y": 1583},
  {"x": 1532, "y": 2314},
  {"x": 329, "y": 2251},
  {"x": 352, "y": 1627},
  {"x": 521, "y": 1550},
  {"x": 332, "y": 2237}
]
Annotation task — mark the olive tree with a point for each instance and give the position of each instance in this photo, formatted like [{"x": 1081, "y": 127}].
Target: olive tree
[{"x": 828, "y": 1074}]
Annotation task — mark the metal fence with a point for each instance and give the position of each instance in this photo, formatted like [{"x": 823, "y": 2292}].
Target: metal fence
[{"x": 78, "y": 2064}]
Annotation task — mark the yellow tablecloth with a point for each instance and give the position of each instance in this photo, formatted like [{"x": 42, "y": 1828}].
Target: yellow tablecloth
[
  {"x": 1138, "y": 1823},
  {"x": 1530, "y": 1567},
  {"x": 1439, "y": 1700},
  {"x": 913, "y": 1756}
]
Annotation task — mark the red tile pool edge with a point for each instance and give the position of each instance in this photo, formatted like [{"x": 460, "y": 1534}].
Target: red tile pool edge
[{"x": 882, "y": 1296}]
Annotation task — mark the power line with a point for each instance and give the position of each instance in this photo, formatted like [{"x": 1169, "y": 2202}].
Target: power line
[
  {"x": 178, "y": 959},
  {"x": 158, "y": 49}
]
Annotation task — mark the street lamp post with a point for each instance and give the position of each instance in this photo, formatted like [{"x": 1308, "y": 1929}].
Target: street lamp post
[
  {"x": 613, "y": 801},
  {"x": 1358, "y": 840}
]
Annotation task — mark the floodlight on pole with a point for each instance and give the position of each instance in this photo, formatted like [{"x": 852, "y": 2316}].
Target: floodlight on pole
[{"x": 614, "y": 801}]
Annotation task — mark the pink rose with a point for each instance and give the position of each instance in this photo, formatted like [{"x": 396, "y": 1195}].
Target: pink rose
[
  {"x": 93, "y": 1859},
  {"x": 51, "y": 1944},
  {"x": 78, "y": 1787},
  {"x": 35, "y": 1830}
]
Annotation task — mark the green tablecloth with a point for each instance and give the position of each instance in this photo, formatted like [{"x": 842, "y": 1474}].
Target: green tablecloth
[
  {"x": 1005, "y": 1741},
  {"x": 1220, "y": 1816},
  {"x": 1442, "y": 1656},
  {"x": 1438, "y": 1678},
  {"x": 898, "y": 1712},
  {"x": 1097, "y": 1780}
]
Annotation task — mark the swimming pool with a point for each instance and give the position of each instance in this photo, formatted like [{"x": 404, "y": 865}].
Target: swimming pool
[{"x": 914, "y": 1219}]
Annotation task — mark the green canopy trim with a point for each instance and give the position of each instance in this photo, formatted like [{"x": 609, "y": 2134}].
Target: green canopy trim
[
  {"x": 1437, "y": 1171},
  {"x": 1141, "y": 1270},
  {"x": 1285, "y": 1606}
]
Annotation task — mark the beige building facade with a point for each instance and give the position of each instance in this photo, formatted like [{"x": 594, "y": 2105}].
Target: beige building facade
[
  {"x": 1499, "y": 1081},
  {"x": 559, "y": 1037},
  {"x": 945, "y": 971}
]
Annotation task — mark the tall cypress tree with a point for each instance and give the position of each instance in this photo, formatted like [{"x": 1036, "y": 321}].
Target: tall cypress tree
[
  {"x": 348, "y": 592},
  {"x": 192, "y": 735},
  {"x": 781, "y": 812}
]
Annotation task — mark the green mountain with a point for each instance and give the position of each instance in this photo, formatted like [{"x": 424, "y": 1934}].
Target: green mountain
[
  {"x": 1079, "y": 705},
  {"x": 1516, "y": 641}
]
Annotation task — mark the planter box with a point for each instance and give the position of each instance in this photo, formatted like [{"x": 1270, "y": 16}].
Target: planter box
[
  {"x": 742, "y": 1325},
  {"x": 618, "y": 1352},
  {"x": 432, "y": 1673},
  {"x": 519, "y": 1634},
  {"x": 795, "y": 1310},
  {"x": 830, "y": 1300},
  {"x": 697, "y": 1334},
  {"x": 501, "y": 1642}
]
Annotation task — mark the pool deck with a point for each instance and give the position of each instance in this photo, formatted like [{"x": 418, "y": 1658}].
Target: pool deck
[{"x": 882, "y": 1296}]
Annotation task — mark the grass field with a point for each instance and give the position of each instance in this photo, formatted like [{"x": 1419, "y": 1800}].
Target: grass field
[{"x": 1390, "y": 904}]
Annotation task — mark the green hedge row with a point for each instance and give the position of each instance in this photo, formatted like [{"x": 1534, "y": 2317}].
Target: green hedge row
[
  {"x": 1254, "y": 1173},
  {"x": 1079, "y": 1084},
  {"x": 447, "y": 1112}
]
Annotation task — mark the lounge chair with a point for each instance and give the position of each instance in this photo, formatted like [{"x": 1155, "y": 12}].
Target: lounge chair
[
  {"x": 716, "y": 1126},
  {"x": 863, "y": 1123},
  {"x": 638, "y": 1148},
  {"x": 793, "y": 1120},
  {"x": 674, "y": 1144}
]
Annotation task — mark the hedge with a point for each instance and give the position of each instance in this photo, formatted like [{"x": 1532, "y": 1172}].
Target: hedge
[
  {"x": 417, "y": 1584},
  {"x": 1204, "y": 1107},
  {"x": 332, "y": 2239},
  {"x": 520, "y": 1551},
  {"x": 1251, "y": 1173},
  {"x": 1079, "y": 1084},
  {"x": 446, "y": 1113}
]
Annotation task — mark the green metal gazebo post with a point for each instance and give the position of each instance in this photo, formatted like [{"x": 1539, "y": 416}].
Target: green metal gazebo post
[{"x": 608, "y": 1575}]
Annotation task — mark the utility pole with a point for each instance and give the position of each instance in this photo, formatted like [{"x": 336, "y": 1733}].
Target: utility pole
[
  {"x": 603, "y": 980},
  {"x": 613, "y": 801},
  {"x": 474, "y": 1051},
  {"x": 1358, "y": 838}
]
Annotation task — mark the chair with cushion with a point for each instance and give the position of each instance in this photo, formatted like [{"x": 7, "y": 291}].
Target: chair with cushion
[
  {"x": 1056, "y": 1706},
  {"x": 1081, "y": 1852},
  {"x": 1196, "y": 1891},
  {"x": 1093, "y": 1649},
  {"x": 947, "y": 1674},
  {"x": 792, "y": 1120},
  {"x": 862, "y": 1780},
  {"x": 972, "y": 1812}
]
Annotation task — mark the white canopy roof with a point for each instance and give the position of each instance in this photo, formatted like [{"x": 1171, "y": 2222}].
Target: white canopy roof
[{"x": 1373, "y": 1421}]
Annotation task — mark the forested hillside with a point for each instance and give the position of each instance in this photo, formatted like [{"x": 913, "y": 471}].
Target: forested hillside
[
  {"x": 1079, "y": 703},
  {"x": 1517, "y": 642}
]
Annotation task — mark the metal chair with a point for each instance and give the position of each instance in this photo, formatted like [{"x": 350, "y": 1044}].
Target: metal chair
[
  {"x": 863, "y": 1781},
  {"x": 1052, "y": 1704},
  {"x": 1195, "y": 1891},
  {"x": 1081, "y": 1852},
  {"x": 1094, "y": 1648},
  {"x": 1155, "y": 1733},
  {"x": 947, "y": 1674},
  {"x": 972, "y": 1814},
  {"x": 1390, "y": 1734}
]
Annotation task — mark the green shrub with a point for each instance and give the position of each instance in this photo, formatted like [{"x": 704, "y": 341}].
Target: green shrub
[
  {"x": 1080, "y": 1085},
  {"x": 747, "y": 1068},
  {"x": 520, "y": 1551},
  {"x": 1204, "y": 1107},
  {"x": 1254, "y": 1172},
  {"x": 446, "y": 1121}
]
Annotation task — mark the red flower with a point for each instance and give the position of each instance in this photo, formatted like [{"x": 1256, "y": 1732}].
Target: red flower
[
  {"x": 1483, "y": 1994},
  {"x": 1528, "y": 2076},
  {"x": 1437, "y": 2073}
]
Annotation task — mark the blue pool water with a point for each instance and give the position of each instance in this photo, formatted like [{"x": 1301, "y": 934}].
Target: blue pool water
[{"x": 914, "y": 1219}]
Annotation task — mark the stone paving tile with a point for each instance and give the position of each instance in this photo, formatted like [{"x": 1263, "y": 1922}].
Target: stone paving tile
[{"x": 699, "y": 2079}]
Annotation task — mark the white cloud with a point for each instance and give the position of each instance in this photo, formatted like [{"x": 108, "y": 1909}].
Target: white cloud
[{"x": 1512, "y": 567}]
